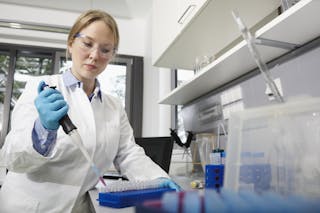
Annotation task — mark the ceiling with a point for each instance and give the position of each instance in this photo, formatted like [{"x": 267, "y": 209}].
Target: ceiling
[{"x": 118, "y": 8}]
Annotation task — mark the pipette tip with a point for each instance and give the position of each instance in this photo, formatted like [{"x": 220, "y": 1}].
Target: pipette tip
[{"x": 102, "y": 181}]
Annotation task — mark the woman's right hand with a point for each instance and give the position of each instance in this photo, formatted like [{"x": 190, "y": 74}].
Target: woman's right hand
[{"x": 51, "y": 106}]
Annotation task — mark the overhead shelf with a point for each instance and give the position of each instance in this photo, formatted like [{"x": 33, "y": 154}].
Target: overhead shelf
[
  {"x": 297, "y": 25},
  {"x": 210, "y": 31}
]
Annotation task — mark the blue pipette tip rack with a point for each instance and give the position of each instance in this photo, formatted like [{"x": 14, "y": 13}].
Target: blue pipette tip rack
[{"x": 130, "y": 198}]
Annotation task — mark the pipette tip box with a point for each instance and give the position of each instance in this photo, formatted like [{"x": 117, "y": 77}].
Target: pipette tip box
[{"x": 130, "y": 198}]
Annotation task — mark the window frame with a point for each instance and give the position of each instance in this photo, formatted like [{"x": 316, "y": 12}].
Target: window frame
[{"x": 134, "y": 90}]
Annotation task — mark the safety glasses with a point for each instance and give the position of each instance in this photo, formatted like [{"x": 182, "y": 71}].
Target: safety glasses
[{"x": 88, "y": 45}]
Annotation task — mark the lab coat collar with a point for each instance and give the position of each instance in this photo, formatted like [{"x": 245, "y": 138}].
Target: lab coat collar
[{"x": 71, "y": 81}]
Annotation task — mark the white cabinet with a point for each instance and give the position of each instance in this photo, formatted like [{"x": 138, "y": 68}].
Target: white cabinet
[
  {"x": 187, "y": 10},
  {"x": 163, "y": 26},
  {"x": 296, "y": 25},
  {"x": 208, "y": 31},
  {"x": 169, "y": 18}
]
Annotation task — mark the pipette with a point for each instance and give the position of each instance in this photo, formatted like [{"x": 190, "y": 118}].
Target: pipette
[
  {"x": 70, "y": 129},
  {"x": 257, "y": 57}
]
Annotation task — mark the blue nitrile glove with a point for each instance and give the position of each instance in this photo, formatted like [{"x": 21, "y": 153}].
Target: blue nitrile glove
[
  {"x": 166, "y": 182},
  {"x": 51, "y": 106}
]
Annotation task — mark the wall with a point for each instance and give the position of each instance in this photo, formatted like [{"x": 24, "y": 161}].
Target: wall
[
  {"x": 156, "y": 118},
  {"x": 135, "y": 39}
]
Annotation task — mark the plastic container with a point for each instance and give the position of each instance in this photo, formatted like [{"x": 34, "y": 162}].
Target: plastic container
[
  {"x": 275, "y": 148},
  {"x": 206, "y": 144},
  {"x": 130, "y": 198},
  {"x": 216, "y": 157},
  {"x": 214, "y": 176}
]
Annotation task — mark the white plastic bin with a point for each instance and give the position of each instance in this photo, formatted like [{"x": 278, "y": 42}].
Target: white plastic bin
[{"x": 275, "y": 148}]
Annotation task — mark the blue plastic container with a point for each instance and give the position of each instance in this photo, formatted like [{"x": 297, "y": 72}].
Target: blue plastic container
[
  {"x": 130, "y": 198},
  {"x": 214, "y": 176}
]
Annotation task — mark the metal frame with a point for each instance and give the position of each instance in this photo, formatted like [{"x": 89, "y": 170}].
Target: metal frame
[
  {"x": 134, "y": 90},
  {"x": 7, "y": 98}
]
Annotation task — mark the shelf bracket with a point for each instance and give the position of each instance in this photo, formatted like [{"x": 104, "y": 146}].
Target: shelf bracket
[{"x": 277, "y": 44}]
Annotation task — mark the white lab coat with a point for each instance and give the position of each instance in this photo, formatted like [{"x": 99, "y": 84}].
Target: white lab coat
[{"x": 58, "y": 182}]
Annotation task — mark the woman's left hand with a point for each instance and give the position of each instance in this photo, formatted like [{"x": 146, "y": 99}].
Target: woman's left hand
[{"x": 166, "y": 182}]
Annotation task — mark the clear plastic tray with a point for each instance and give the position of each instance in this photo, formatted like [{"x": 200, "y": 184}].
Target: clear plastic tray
[{"x": 275, "y": 148}]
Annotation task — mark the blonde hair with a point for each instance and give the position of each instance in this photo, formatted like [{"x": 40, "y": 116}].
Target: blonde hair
[{"x": 87, "y": 18}]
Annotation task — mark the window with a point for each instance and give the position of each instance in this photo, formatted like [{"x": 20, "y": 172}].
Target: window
[
  {"x": 113, "y": 81},
  {"x": 4, "y": 70},
  {"x": 29, "y": 64},
  {"x": 20, "y": 63}
]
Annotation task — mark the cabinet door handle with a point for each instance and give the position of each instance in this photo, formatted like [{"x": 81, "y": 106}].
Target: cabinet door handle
[{"x": 186, "y": 13}]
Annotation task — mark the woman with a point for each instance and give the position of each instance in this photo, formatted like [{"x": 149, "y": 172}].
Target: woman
[{"x": 47, "y": 171}]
